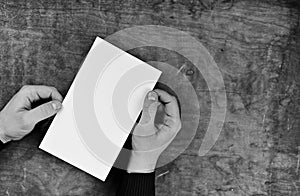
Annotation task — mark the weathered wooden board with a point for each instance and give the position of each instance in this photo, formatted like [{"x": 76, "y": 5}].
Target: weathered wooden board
[{"x": 256, "y": 45}]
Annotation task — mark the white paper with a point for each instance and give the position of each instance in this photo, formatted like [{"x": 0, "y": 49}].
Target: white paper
[{"x": 119, "y": 83}]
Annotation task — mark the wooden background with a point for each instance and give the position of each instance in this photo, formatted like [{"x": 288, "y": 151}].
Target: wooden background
[{"x": 256, "y": 45}]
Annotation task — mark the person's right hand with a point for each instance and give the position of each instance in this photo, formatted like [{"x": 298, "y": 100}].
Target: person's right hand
[
  {"x": 150, "y": 139},
  {"x": 18, "y": 118}
]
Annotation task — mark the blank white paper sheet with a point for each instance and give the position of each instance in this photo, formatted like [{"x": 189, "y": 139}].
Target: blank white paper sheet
[{"x": 100, "y": 109}]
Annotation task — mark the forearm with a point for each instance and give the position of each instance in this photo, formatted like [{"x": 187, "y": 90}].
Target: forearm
[{"x": 137, "y": 184}]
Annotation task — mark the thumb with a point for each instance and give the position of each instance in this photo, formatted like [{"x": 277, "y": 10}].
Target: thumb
[
  {"x": 149, "y": 108},
  {"x": 44, "y": 111}
]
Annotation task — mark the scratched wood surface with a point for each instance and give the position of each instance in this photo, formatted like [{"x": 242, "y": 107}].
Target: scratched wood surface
[{"x": 256, "y": 45}]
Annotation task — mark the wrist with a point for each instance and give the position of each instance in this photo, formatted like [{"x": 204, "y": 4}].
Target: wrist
[
  {"x": 142, "y": 162},
  {"x": 3, "y": 137}
]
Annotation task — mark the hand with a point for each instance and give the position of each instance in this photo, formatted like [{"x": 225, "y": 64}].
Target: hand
[
  {"x": 150, "y": 138},
  {"x": 17, "y": 118}
]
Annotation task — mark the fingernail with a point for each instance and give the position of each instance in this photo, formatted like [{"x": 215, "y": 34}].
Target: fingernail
[
  {"x": 56, "y": 106},
  {"x": 152, "y": 96}
]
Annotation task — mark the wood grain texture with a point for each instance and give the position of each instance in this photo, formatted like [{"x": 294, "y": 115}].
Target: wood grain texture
[{"x": 256, "y": 45}]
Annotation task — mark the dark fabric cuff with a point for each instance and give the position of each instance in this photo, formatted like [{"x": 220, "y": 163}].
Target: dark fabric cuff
[
  {"x": 1, "y": 145},
  {"x": 137, "y": 184}
]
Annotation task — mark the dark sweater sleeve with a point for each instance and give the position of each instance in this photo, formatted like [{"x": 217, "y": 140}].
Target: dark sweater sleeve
[
  {"x": 1, "y": 145},
  {"x": 137, "y": 184}
]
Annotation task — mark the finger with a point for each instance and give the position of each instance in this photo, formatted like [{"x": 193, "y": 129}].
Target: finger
[
  {"x": 170, "y": 121},
  {"x": 149, "y": 108},
  {"x": 167, "y": 133},
  {"x": 43, "y": 111},
  {"x": 170, "y": 103},
  {"x": 36, "y": 92}
]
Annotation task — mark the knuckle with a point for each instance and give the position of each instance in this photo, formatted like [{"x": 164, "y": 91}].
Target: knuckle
[
  {"x": 179, "y": 125},
  {"x": 52, "y": 88},
  {"x": 174, "y": 99},
  {"x": 25, "y": 87}
]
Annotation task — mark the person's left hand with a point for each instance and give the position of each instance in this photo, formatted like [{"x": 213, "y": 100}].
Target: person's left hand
[{"x": 18, "y": 118}]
